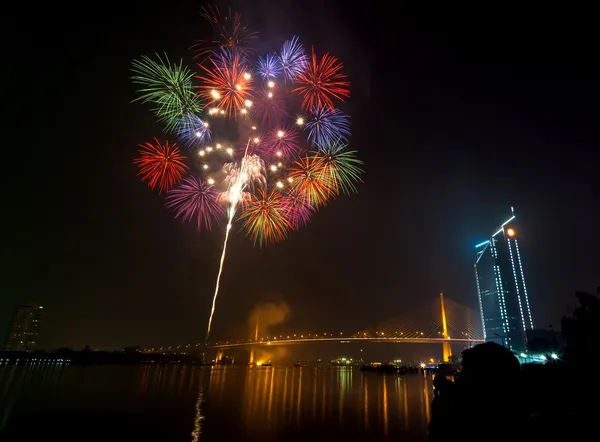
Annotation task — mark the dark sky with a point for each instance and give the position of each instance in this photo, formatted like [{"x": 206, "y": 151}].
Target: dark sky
[{"x": 457, "y": 115}]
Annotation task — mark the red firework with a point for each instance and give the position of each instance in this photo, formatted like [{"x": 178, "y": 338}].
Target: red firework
[
  {"x": 227, "y": 83},
  {"x": 320, "y": 81},
  {"x": 160, "y": 164}
]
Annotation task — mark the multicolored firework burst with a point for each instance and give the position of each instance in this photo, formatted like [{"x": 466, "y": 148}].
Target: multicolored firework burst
[
  {"x": 320, "y": 81},
  {"x": 161, "y": 164},
  {"x": 266, "y": 217},
  {"x": 257, "y": 160},
  {"x": 310, "y": 182}
]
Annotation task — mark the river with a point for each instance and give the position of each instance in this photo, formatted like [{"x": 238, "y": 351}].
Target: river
[{"x": 188, "y": 403}]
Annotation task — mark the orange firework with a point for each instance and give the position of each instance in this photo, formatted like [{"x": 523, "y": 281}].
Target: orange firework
[
  {"x": 309, "y": 179},
  {"x": 161, "y": 164},
  {"x": 267, "y": 217},
  {"x": 227, "y": 83}
]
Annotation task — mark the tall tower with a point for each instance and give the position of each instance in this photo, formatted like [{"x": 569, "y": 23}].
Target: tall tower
[
  {"x": 446, "y": 349},
  {"x": 501, "y": 289},
  {"x": 25, "y": 328}
]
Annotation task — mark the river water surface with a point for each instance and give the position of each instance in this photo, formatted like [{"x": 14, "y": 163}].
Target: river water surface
[{"x": 186, "y": 403}]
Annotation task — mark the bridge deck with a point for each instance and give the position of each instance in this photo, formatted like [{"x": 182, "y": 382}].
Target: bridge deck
[{"x": 346, "y": 341}]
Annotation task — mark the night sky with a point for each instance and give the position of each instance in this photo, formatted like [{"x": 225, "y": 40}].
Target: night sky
[{"x": 458, "y": 115}]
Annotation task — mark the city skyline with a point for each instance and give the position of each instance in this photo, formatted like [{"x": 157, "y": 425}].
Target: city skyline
[{"x": 452, "y": 130}]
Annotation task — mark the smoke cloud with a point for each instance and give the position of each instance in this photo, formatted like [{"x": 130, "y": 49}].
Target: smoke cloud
[{"x": 266, "y": 315}]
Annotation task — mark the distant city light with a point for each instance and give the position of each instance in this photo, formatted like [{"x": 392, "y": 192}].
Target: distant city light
[{"x": 510, "y": 232}]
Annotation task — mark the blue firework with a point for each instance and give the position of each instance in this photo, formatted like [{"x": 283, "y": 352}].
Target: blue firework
[
  {"x": 326, "y": 126},
  {"x": 269, "y": 67},
  {"x": 193, "y": 131},
  {"x": 292, "y": 58}
]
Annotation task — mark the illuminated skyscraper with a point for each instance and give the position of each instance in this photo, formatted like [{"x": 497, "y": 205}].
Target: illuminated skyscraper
[
  {"x": 25, "y": 328},
  {"x": 501, "y": 288}
]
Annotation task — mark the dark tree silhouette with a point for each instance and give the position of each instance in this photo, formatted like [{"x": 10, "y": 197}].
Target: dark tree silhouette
[{"x": 582, "y": 332}]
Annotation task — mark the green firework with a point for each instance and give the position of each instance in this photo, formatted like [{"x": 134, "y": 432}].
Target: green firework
[
  {"x": 167, "y": 88},
  {"x": 342, "y": 169}
]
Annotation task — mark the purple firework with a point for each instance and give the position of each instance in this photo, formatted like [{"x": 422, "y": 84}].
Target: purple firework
[
  {"x": 300, "y": 212},
  {"x": 269, "y": 67},
  {"x": 283, "y": 141},
  {"x": 292, "y": 58},
  {"x": 271, "y": 107},
  {"x": 195, "y": 199}
]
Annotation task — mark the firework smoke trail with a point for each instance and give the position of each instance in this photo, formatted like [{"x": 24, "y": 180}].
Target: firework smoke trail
[{"x": 235, "y": 193}]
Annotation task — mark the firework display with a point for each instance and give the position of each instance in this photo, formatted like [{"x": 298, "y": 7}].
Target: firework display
[{"x": 266, "y": 141}]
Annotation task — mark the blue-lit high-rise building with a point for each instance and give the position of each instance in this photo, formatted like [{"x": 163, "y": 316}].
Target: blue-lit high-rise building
[{"x": 501, "y": 288}]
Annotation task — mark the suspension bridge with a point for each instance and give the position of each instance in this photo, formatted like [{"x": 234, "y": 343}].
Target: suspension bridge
[{"x": 440, "y": 321}]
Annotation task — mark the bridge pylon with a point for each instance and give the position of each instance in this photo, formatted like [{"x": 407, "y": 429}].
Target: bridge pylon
[{"x": 446, "y": 348}]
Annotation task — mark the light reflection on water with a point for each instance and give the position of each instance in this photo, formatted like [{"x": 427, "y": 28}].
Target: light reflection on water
[{"x": 183, "y": 403}]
